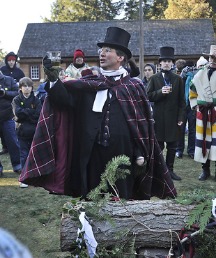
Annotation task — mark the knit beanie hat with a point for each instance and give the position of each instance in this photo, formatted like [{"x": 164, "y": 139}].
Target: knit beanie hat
[
  {"x": 201, "y": 61},
  {"x": 152, "y": 66},
  {"x": 10, "y": 56},
  {"x": 78, "y": 53}
]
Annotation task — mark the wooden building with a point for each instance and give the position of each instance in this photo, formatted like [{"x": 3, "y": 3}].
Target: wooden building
[{"x": 189, "y": 37}]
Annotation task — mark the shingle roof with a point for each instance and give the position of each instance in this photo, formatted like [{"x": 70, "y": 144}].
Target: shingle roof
[{"x": 187, "y": 36}]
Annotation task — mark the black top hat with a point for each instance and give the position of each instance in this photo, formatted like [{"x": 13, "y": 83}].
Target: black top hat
[
  {"x": 166, "y": 53},
  {"x": 117, "y": 38}
]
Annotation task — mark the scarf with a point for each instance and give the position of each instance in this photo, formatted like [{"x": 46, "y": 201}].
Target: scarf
[
  {"x": 166, "y": 75},
  {"x": 101, "y": 96},
  {"x": 78, "y": 65}
]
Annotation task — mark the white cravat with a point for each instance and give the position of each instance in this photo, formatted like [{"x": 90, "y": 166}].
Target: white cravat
[{"x": 101, "y": 96}]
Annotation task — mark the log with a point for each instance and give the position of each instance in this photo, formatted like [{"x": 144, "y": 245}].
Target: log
[{"x": 150, "y": 221}]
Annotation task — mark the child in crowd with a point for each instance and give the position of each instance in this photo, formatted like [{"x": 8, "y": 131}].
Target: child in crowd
[{"x": 26, "y": 109}]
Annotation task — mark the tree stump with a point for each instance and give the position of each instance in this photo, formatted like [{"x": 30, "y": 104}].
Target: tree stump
[{"x": 149, "y": 221}]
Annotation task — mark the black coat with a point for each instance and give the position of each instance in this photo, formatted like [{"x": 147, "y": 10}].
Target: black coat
[
  {"x": 131, "y": 134},
  {"x": 169, "y": 109},
  {"x": 10, "y": 88},
  {"x": 14, "y": 72},
  {"x": 88, "y": 125},
  {"x": 26, "y": 111}
]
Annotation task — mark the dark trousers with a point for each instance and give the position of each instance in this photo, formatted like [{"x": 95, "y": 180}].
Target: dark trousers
[
  {"x": 190, "y": 118},
  {"x": 170, "y": 155},
  {"x": 24, "y": 150},
  {"x": 10, "y": 136},
  {"x": 99, "y": 158},
  {"x": 3, "y": 143},
  {"x": 206, "y": 166}
]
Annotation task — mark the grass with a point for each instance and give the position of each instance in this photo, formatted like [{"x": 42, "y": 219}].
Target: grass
[{"x": 34, "y": 216}]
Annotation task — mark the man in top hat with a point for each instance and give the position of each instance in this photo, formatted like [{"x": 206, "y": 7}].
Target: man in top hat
[
  {"x": 74, "y": 69},
  {"x": 166, "y": 90},
  {"x": 111, "y": 117},
  {"x": 203, "y": 99}
]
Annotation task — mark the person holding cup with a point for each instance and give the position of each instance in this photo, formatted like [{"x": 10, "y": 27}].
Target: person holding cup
[{"x": 166, "y": 90}]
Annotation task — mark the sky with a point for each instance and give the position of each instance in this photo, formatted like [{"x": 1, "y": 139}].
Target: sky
[{"x": 15, "y": 15}]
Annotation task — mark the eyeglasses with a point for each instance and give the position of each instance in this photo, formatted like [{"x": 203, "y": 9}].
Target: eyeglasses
[{"x": 104, "y": 49}]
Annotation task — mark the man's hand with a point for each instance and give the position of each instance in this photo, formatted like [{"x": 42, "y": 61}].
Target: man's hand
[
  {"x": 140, "y": 161},
  {"x": 51, "y": 72},
  {"x": 166, "y": 89}
]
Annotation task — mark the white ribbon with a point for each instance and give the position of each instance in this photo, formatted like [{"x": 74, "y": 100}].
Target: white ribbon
[{"x": 90, "y": 241}]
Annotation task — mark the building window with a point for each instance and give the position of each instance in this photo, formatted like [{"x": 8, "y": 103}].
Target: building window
[{"x": 35, "y": 72}]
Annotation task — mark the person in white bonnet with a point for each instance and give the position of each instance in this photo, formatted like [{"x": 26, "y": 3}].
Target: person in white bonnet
[
  {"x": 11, "y": 247},
  {"x": 201, "y": 62}
]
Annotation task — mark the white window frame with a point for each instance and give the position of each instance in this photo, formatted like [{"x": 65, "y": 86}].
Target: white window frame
[{"x": 35, "y": 72}]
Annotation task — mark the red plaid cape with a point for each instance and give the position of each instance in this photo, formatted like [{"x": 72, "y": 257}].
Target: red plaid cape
[{"x": 42, "y": 166}]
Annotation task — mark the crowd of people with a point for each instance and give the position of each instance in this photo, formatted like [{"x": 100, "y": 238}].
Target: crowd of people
[
  {"x": 105, "y": 112},
  {"x": 93, "y": 114}
]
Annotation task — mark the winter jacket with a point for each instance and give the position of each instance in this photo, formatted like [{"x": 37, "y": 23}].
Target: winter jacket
[
  {"x": 27, "y": 112},
  {"x": 10, "y": 87},
  {"x": 14, "y": 72},
  {"x": 74, "y": 72}
]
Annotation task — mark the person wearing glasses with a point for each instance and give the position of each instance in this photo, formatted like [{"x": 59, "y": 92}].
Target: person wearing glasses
[
  {"x": 26, "y": 109},
  {"x": 110, "y": 116}
]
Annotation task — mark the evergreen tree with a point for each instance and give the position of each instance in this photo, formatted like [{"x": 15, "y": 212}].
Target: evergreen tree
[
  {"x": 101, "y": 10},
  {"x": 212, "y": 3},
  {"x": 131, "y": 10},
  {"x": 152, "y": 9},
  {"x": 155, "y": 9},
  {"x": 84, "y": 10}
]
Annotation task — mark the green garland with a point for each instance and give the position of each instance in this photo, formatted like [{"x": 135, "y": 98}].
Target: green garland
[
  {"x": 201, "y": 214},
  {"x": 116, "y": 169}
]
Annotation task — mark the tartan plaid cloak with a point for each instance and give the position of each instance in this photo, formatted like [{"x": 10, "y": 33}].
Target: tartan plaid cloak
[{"x": 42, "y": 165}]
